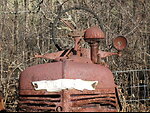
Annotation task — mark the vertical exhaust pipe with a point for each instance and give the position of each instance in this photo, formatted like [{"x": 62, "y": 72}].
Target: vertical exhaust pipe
[
  {"x": 93, "y": 36},
  {"x": 94, "y": 52}
]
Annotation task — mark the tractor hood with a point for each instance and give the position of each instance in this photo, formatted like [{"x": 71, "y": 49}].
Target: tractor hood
[{"x": 67, "y": 70}]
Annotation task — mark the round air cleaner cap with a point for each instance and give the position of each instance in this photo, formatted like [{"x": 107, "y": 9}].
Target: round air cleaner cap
[
  {"x": 94, "y": 33},
  {"x": 120, "y": 43}
]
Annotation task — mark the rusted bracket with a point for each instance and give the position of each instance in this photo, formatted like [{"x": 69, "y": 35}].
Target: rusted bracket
[
  {"x": 104, "y": 54},
  {"x": 83, "y": 51},
  {"x": 50, "y": 55}
]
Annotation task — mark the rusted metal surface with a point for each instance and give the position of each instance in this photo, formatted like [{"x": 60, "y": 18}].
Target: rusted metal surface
[
  {"x": 69, "y": 101},
  {"x": 94, "y": 33},
  {"x": 1, "y": 104},
  {"x": 82, "y": 53},
  {"x": 76, "y": 63},
  {"x": 120, "y": 43},
  {"x": 73, "y": 100},
  {"x": 67, "y": 70},
  {"x": 50, "y": 55},
  {"x": 94, "y": 52},
  {"x": 39, "y": 101},
  {"x": 93, "y": 36}
]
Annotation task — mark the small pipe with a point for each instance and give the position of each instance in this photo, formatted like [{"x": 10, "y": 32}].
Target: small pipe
[{"x": 94, "y": 52}]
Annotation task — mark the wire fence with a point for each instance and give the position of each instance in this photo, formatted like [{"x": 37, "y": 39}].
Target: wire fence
[{"x": 134, "y": 90}]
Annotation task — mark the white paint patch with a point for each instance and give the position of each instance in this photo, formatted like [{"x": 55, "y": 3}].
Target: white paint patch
[{"x": 62, "y": 84}]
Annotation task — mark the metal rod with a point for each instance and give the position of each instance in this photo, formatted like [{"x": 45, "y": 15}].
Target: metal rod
[
  {"x": 94, "y": 52},
  {"x": 130, "y": 71}
]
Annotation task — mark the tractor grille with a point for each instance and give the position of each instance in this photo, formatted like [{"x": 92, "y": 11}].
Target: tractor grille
[
  {"x": 95, "y": 102},
  {"x": 39, "y": 103},
  {"x": 70, "y": 101}
]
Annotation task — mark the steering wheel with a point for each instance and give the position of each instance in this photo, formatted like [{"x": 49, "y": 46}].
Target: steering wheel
[{"x": 62, "y": 13}]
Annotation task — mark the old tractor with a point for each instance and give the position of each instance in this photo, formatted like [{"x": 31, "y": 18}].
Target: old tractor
[{"x": 76, "y": 80}]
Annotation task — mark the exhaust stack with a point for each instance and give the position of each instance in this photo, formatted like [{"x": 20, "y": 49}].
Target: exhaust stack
[{"x": 93, "y": 36}]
